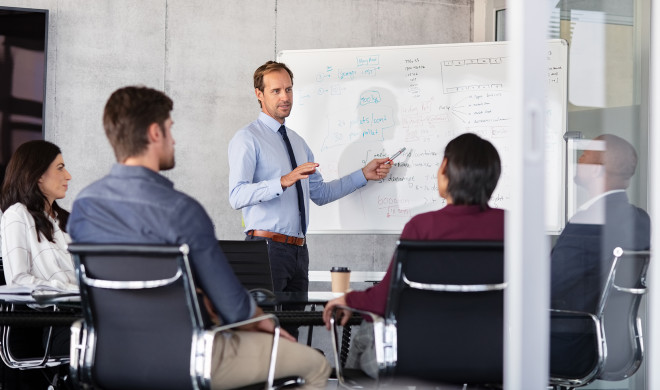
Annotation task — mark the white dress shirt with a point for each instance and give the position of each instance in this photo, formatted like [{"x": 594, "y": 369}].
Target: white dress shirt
[
  {"x": 30, "y": 262},
  {"x": 592, "y": 212}
]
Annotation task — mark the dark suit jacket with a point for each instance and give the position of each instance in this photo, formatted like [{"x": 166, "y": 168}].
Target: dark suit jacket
[
  {"x": 580, "y": 262},
  {"x": 582, "y": 256}
]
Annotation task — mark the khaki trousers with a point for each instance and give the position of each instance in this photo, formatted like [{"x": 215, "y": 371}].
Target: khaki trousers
[{"x": 241, "y": 358}]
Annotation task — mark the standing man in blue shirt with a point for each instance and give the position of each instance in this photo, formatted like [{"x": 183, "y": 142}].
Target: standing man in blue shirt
[
  {"x": 135, "y": 204},
  {"x": 273, "y": 176}
]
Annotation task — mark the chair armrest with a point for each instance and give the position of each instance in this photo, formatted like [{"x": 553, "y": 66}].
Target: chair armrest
[
  {"x": 558, "y": 315},
  {"x": 384, "y": 341},
  {"x": 267, "y": 316},
  {"x": 204, "y": 347},
  {"x": 256, "y": 292},
  {"x": 374, "y": 317},
  {"x": 572, "y": 313}
]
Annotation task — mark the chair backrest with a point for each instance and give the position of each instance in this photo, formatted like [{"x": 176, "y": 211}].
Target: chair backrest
[
  {"x": 618, "y": 313},
  {"x": 446, "y": 300},
  {"x": 141, "y": 316},
  {"x": 250, "y": 262}
]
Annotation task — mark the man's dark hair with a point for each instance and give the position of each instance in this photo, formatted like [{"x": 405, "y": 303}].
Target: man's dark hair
[
  {"x": 21, "y": 185},
  {"x": 128, "y": 114},
  {"x": 266, "y": 68},
  {"x": 473, "y": 169}
]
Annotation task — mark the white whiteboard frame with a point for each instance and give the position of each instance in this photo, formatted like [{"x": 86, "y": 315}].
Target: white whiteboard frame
[{"x": 561, "y": 179}]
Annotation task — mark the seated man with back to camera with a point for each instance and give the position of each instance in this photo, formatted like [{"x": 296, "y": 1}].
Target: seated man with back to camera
[
  {"x": 467, "y": 178},
  {"x": 582, "y": 257},
  {"x": 135, "y": 204}
]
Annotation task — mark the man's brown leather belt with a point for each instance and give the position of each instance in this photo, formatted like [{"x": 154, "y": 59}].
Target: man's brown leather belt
[{"x": 277, "y": 237}]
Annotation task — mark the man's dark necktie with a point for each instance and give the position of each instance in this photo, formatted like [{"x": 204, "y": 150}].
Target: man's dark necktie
[{"x": 299, "y": 190}]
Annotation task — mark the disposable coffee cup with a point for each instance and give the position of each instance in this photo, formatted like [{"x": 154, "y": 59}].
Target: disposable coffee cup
[{"x": 341, "y": 278}]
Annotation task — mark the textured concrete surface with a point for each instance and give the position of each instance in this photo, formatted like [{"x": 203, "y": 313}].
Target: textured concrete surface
[{"x": 202, "y": 53}]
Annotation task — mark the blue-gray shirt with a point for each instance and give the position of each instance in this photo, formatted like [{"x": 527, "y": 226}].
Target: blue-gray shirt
[
  {"x": 258, "y": 159},
  {"x": 134, "y": 204}
]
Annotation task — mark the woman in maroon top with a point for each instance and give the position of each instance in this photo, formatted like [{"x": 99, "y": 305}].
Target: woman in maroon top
[{"x": 467, "y": 178}]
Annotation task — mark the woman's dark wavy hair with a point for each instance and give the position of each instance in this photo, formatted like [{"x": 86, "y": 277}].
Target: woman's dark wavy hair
[
  {"x": 21, "y": 185},
  {"x": 473, "y": 169}
]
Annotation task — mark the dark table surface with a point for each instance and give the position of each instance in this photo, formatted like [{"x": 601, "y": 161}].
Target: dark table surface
[
  {"x": 283, "y": 298},
  {"x": 313, "y": 316},
  {"x": 35, "y": 318},
  {"x": 14, "y": 311},
  {"x": 70, "y": 311}
]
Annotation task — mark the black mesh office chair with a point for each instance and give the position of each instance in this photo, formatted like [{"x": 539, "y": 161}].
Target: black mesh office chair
[
  {"x": 23, "y": 348},
  {"x": 444, "y": 318},
  {"x": 610, "y": 339},
  {"x": 142, "y": 326},
  {"x": 250, "y": 262}
]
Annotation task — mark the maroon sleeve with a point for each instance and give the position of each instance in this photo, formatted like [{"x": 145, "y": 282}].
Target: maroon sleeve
[
  {"x": 373, "y": 299},
  {"x": 456, "y": 224}
]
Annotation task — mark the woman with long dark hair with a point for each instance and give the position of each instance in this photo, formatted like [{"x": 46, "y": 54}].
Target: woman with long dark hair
[
  {"x": 467, "y": 177},
  {"x": 33, "y": 225}
]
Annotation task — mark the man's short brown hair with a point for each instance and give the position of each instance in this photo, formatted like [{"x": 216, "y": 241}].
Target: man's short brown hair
[
  {"x": 128, "y": 114},
  {"x": 268, "y": 67}
]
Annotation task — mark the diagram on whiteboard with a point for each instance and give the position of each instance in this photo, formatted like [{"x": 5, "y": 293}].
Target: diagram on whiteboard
[{"x": 353, "y": 105}]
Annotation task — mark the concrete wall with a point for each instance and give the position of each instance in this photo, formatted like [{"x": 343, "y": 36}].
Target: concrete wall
[{"x": 203, "y": 53}]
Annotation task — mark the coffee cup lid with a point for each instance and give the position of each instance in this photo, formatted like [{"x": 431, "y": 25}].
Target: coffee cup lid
[{"x": 340, "y": 269}]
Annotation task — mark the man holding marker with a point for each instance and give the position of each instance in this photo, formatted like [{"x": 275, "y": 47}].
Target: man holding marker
[
  {"x": 391, "y": 159},
  {"x": 272, "y": 177}
]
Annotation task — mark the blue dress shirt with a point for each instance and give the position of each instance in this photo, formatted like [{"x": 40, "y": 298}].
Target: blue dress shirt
[
  {"x": 258, "y": 159},
  {"x": 135, "y": 205}
]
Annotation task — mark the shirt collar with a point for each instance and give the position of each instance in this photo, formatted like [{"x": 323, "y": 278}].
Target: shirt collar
[
  {"x": 139, "y": 172},
  {"x": 270, "y": 122},
  {"x": 596, "y": 198},
  {"x": 464, "y": 209}
]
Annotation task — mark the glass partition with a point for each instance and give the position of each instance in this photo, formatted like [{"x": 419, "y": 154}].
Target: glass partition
[
  {"x": 607, "y": 156},
  {"x": 607, "y": 159}
]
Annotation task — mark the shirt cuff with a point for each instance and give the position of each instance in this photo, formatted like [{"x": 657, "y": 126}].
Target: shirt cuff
[
  {"x": 275, "y": 187},
  {"x": 253, "y": 306}
]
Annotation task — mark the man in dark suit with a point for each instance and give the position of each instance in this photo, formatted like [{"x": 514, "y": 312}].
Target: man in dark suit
[{"x": 582, "y": 256}]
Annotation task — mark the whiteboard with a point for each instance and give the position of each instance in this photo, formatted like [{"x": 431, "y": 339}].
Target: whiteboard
[{"x": 353, "y": 105}]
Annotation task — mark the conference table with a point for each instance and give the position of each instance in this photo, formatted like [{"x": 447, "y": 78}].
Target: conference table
[
  {"x": 69, "y": 304},
  {"x": 58, "y": 309},
  {"x": 13, "y": 311},
  {"x": 70, "y": 309},
  {"x": 35, "y": 318},
  {"x": 272, "y": 303}
]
